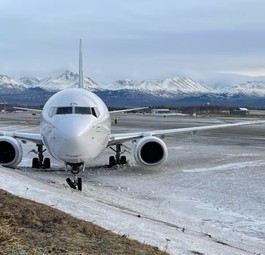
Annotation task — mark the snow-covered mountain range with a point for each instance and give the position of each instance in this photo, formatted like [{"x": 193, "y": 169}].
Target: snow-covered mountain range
[
  {"x": 167, "y": 89},
  {"x": 180, "y": 86},
  {"x": 250, "y": 89}
]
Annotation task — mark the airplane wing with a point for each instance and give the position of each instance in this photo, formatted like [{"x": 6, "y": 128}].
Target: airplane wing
[
  {"x": 28, "y": 109},
  {"x": 35, "y": 138},
  {"x": 31, "y": 137},
  {"x": 115, "y": 111},
  {"x": 123, "y": 137},
  {"x": 128, "y": 110}
]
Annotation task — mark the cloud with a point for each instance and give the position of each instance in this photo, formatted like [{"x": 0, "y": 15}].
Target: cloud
[{"x": 137, "y": 39}]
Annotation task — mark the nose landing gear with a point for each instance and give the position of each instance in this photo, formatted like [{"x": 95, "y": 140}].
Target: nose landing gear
[
  {"x": 77, "y": 183},
  {"x": 75, "y": 170}
]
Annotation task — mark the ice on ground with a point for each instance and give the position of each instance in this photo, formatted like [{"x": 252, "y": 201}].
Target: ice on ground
[{"x": 209, "y": 197}]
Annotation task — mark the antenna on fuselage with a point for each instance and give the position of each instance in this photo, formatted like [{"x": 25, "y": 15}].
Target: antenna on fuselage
[{"x": 80, "y": 85}]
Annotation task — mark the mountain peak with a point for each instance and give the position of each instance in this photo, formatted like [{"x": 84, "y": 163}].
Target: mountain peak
[
  {"x": 29, "y": 81},
  {"x": 67, "y": 79},
  {"x": 68, "y": 75},
  {"x": 7, "y": 79},
  {"x": 9, "y": 85}
]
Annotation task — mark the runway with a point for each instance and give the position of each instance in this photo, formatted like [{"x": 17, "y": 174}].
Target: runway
[{"x": 209, "y": 196}]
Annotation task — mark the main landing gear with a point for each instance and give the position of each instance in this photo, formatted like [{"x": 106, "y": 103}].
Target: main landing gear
[
  {"x": 75, "y": 170},
  {"x": 38, "y": 162},
  {"x": 118, "y": 159}
]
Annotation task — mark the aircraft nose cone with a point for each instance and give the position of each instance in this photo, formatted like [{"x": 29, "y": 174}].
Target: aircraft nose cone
[
  {"x": 72, "y": 138},
  {"x": 75, "y": 127}
]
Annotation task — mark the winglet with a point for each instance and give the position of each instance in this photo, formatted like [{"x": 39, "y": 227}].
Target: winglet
[{"x": 80, "y": 85}]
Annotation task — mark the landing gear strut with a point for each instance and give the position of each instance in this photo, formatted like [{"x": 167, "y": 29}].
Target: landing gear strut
[
  {"x": 38, "y": 162},
  {"x": 118, "y": 158}
]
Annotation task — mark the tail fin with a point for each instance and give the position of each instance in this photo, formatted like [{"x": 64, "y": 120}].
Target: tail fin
[{"x": 80, "y": 85}]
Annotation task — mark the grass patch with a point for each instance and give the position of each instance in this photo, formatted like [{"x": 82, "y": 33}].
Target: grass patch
[{"x": 27, "y": 227}]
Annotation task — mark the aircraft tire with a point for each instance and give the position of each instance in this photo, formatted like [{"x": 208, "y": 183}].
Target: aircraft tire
[
  {"x": 70, "y": 183},
  {"x": 79, "y": 184},
  {"x": 47, "y": 163},
  {"x": 123, "y": 160},
  {"x": 112, "y": 161},
  {"x": 35, "y": 163}
]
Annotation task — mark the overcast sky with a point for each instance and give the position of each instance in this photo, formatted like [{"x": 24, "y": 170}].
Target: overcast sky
[{"x": 134, "y": 39}]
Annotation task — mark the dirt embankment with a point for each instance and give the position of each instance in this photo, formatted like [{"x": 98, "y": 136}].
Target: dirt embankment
[{"x": 27, "y": 227}]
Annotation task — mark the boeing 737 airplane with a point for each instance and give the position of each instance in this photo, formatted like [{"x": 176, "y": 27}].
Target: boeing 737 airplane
[{"x": 75, "y": 128}]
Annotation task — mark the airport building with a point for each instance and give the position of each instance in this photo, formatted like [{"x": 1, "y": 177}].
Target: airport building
[
  {"x": 159, "y": 111},
  {"x": 240, "y": 111}
]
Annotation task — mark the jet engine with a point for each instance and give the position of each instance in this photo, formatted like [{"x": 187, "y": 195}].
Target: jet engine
[
  {"x": 10, "y": 151},
  {"x": 150, "y": 151}
]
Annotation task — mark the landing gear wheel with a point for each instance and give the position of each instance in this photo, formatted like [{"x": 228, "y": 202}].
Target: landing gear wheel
[
  {"x": 118, "y": 159},
  {"x": 47, "y": 163},
  {"x": 71, "y": 183},
  {"x": 79, "y": 184},
  {"x": 35, "y": 163},
  {"x": 123, "y": 160},
  {"x": 112, "y": 161}
]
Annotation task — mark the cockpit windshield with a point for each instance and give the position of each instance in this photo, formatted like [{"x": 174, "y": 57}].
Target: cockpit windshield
[
  {"x": 74, "y": 110},
  {"x": 64, "y": 110},
  {"x": 82, "y": 110}
]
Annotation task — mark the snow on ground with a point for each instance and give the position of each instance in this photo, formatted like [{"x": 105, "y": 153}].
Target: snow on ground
[{"x": 209, "y": 196}]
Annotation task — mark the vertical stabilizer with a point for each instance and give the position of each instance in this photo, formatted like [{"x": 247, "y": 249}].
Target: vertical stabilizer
[{"x": 80, "y": 85}]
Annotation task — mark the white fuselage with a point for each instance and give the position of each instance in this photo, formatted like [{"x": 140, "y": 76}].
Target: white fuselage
[{"x": 75, "y": 126}]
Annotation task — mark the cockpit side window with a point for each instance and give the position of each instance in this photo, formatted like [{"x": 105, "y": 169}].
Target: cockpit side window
[
  {"x": 94, "y": 112},
  {"x": 52, "y": 112}
]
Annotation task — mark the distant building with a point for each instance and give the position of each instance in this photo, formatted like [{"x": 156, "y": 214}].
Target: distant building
[
  {"x": 159, "y": 111},
  {"x": 240, "y": 111},
  {"x": 257, "y": 112}
]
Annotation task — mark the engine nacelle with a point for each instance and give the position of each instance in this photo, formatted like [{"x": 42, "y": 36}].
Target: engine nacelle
[
  {"x": 150, "y": 151},
  {"x": 11, "y": 151}
]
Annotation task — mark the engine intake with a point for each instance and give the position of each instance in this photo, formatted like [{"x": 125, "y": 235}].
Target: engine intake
[
  {"x": 150, "y": 151},
  {"x": 11, "y": 151}
]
